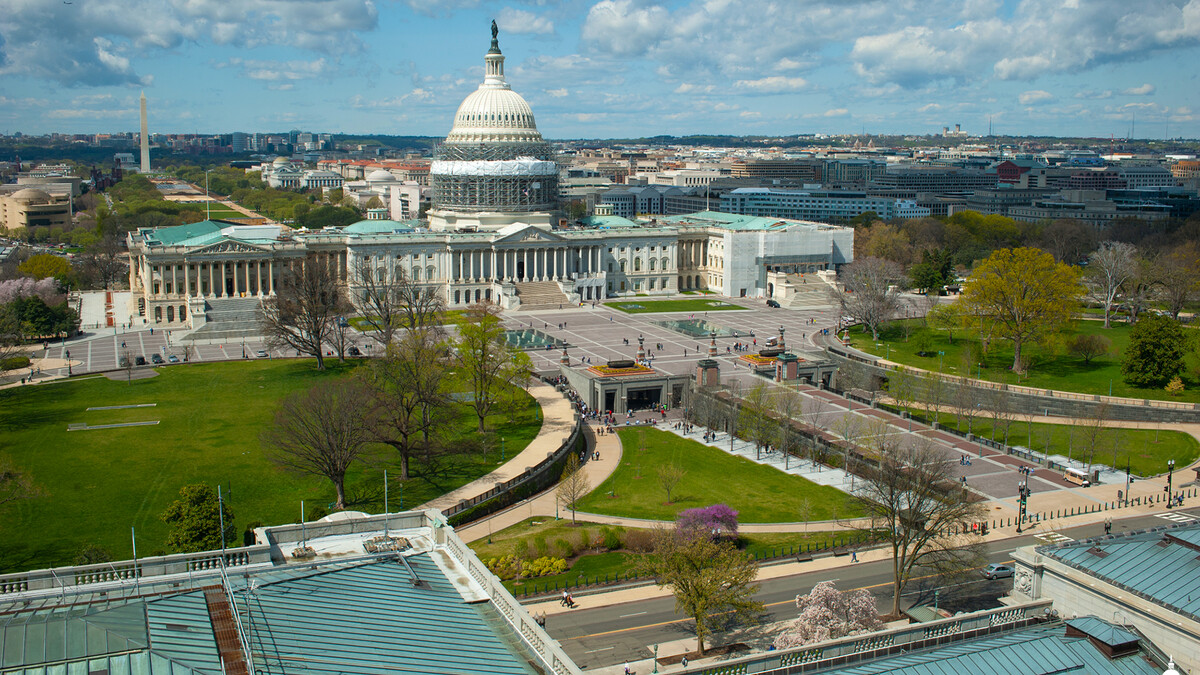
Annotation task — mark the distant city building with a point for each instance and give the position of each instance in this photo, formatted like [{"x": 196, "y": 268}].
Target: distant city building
[
  {"x": 933, "y": 179},
  {"x": 30, "y": 207},
  {"x": 816, "y": 205},
  {"x": 797, "y": 170},
  {"x": 1089, "y": 206}
]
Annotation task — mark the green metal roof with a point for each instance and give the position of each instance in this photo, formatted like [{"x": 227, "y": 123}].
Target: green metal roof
[
  {"x": 607, "y": 221},
  {"x": 1162, "y": 567},
  {"x": 381, "y": 226},
  {"x": 370, "y": 618},
  {"x": 1040, "y": 650},
  {"x": 175, "y": 236},
  {"x": 729, "y": 221}
]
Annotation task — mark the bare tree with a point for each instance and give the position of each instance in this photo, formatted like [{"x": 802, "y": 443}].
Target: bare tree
[
  {"x": 390, "y": 299},
  {"x": 321, "y": 431},
  {"x": 871, "y": 290},
  {"x": 848, "y": 427},
  {"x": 755, "y": 419},
  {"x": 917, "y": 512},
  {"x": 1109, "y": 269},
  {"x": 491, "y": 364},
  {"x": 303, "y": 313},
  {"x": 934, "y": 395},
  {"x": 669, "y": 476},
  {"x": 813, "y": 410},
  {"x": 1179, "y": 276},
  {"x": 105, "y": 262},
  {"x": 1139, "y": 288},
  {"x": 1091, "y": 432},
  {"x": 408, "y": 403},
  {"x": 788, "y": 410},
  {"x": 574, "y": 485},
  {"x": 968, "y": 401}
]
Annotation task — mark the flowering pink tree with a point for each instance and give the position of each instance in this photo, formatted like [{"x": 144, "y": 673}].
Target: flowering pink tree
[
  {"x": 15, "y": 289},
  {"x": 718, "y": 520},
  {"x": 827, "y": 613}
]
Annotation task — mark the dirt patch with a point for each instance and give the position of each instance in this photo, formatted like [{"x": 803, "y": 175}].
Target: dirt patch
[{"x": 137, "y": 374}]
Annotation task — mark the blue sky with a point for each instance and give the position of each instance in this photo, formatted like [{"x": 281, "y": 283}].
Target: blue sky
[{"x": 606, "y": 68}]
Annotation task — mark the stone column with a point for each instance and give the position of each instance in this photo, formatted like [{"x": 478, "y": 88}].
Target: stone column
[
  {"x": 271, "y": 277},
  {"x": 247, "y": 265}
]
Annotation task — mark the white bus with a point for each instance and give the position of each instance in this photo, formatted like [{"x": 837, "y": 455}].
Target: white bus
[{"x": 1077, "y": 476}]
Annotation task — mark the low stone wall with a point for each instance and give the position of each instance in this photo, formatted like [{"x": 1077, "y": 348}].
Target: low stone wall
[{"x": 1028, "y": 399}]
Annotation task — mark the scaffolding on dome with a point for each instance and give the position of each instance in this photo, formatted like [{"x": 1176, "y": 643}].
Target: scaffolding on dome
[{"x": 494, "y": 177}]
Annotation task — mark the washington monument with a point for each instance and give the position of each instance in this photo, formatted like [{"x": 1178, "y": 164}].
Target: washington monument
[{"x": 145, "y": 167}]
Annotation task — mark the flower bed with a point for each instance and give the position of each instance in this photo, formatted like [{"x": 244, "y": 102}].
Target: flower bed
[
  {"x": 758, "y": 360},
  {"x": 605, "y": 371}
]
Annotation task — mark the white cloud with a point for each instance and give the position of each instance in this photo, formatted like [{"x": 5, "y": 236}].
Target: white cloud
[
  {"x": 750, "y": 114},
  {"x": 95, "y": 43},
  {"x": 519, "y": 21},
  {"x": 774, "y": 84},
  {"x": 273, "y": 71},
  {"x": 557, "y": 93},
  {"x": 689, "y": 88},
  {"x": 1143, "y": 90},
  {"x": 1093, "y": 94},
  {"x": 1035, "y": 96},
  {"x": 835, "y": 112}
]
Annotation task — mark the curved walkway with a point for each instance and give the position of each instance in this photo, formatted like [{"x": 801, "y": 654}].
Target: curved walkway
[
  {"x": 546, "y": 503},
  {"x": 558, "y": 420}
]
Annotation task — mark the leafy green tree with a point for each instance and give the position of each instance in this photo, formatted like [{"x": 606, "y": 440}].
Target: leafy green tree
[
  {"x": 947, "y": 317},
  {"x": 195, "y": 521},
  {"x": 707, "y": 576},
  {"x": 46, "y": 265},
  {"x": 1155, "y": 352},
  {"x": 1088, "y": 347},
  {"x": 329, "y": 216},
  {"x": 1024, "y": 294},
  {"x": 935, "y": 270}
]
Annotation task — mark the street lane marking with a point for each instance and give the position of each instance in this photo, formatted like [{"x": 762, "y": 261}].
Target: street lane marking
[
  {"x": 769, "y": 604},
  {"x": 626, "y": 616},
  {"x": 1053, "y": 537},
  {"x": 599, "y": 650},
  {"x": 1177, "y": 517}
]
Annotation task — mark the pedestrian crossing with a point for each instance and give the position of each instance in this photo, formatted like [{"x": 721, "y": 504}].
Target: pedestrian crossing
[
  {"x": 1053, "y": 537},
  {"x": 1177, "y": 517}
]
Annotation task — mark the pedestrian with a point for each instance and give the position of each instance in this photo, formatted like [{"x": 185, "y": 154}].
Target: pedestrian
[
  {"x": 853, "y": 556},
  {"x": 627, "y": 671},
  {"x": 683, "y": 662},
  {"x": 563, "y": 600}
]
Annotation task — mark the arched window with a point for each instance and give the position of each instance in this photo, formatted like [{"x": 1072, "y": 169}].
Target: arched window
[
  {"x": 622, "y": 263},
  {"x": 158, "y": 315},
  {"x": 458, "y": 297},
  {"x": 416, "y": 273},
  {"x": 381, "y": 274},
  {"x": 637, "y": 264},
  {"x": 182, "y": 312},
  {"x": 170, "y": 312},
  {"x": 666, "y": 264},
  {"x": 653, "y": 262}
]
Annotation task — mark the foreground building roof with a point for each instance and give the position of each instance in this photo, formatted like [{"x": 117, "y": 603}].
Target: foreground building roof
[{"x": 308, "y": 601}]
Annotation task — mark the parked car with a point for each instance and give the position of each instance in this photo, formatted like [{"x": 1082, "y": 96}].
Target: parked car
[
  {"x": 262, "y": 354},
  {"x": 995, "y": 571},
  {"x": 139, "y": 361},
  {"x": 156, "y": 358},
  {"x": 772, "y": 303},
  {"x": 173, "y": 359},
  {"x": 354, "y": 351}
]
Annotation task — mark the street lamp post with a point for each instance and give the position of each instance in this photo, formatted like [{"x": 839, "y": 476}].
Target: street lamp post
[
  {"x": 1170, "y": 476},
  {"x": 502, "y": 460}
]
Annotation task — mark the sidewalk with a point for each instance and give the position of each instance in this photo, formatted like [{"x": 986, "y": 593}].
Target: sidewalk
[
  {"x": 558, "y": 419},
  {"x": 546, "y": 503}
]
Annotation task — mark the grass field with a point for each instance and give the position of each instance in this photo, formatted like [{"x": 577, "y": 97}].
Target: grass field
[
  {"x": 1145, "y": 450},
  {"x": 103, "y": 482},
  {"x": 546, "y": 535},
  {"x": 448, "y": 317},
  {"x": 697, "y": 305},
  {"x": 760, "y": 494},
  {"x": 1052, "y": 367}
]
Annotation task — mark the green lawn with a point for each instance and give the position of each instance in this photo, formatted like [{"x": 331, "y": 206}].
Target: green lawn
[
  {"x": 760, "y": 494},
  {"x": 1145, "y": 450},
  {"x": 599, "y": 563},
  {"x": 448, "y": 317},
  {"x": 697, "y": 305},
  {"x": 103, "y": 482},
  {"x": 1053, "y": 367}
]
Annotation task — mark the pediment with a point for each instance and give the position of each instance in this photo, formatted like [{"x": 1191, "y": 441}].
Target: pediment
[
  {"x": 525, "y": 233},
  {"x": 227, "y": 246}
]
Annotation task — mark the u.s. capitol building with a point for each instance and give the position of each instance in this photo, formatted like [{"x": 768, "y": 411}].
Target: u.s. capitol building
[{"x": 493, "y": 234}]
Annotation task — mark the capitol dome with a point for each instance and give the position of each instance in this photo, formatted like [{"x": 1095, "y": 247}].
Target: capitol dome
[{"x": 494, "y": 161}]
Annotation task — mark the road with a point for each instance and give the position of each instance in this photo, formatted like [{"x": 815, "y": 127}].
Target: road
[{"x": 604, "y": 636}]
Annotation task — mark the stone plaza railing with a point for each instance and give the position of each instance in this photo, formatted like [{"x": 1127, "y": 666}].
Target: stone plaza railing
[{"x": 850, "y": 650}]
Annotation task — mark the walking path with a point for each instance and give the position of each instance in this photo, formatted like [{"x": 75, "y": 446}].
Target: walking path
[{"x": 558, "y": 420}]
